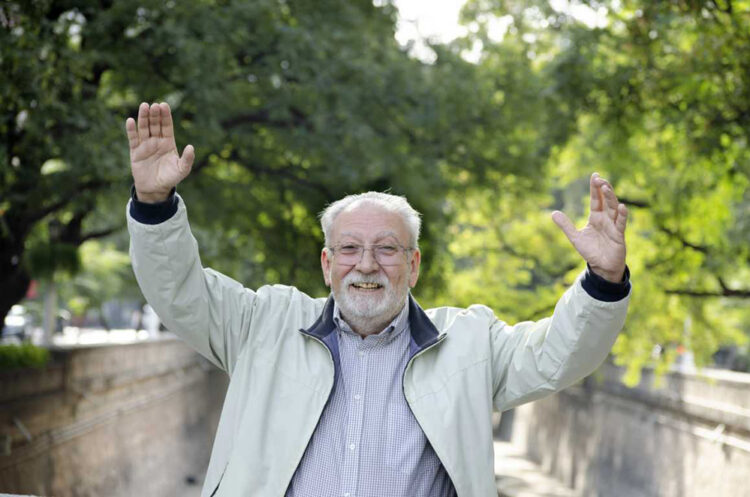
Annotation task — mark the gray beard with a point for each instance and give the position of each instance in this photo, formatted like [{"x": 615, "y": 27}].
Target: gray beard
[{"x": 369, "y": 313}]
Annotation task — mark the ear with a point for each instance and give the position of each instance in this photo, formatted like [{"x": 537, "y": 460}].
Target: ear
[
  {"x": 416, "y": 258},
  {"x": 325, "y": 264}
]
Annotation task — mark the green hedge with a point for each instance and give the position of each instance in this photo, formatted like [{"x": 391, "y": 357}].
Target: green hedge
[{"x": 22, "y": 356}]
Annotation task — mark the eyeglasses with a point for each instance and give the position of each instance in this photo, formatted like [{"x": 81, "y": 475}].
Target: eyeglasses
[{"x": 349, "y": 254}]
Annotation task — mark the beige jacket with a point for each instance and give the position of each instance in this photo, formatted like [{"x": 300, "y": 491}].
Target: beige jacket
[{"x": 273, "y": 344}]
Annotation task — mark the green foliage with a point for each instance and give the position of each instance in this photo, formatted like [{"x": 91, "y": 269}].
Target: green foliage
[
  {"x": 290, "y": 105},
  {"x": 657, "y": 99},
  {"x": 25, "y": 355},
  {"x": 105, "y": 275}
]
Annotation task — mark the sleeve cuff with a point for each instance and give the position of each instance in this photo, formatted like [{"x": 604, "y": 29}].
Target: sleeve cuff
[
  {"x": 156, "y": 213},
  {"x": 604, "y": 290}
]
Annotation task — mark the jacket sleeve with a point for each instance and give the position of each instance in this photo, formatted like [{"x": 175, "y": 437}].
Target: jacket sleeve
[
  {"x": 207, "y": 309},
  {"x": 533, "y": 359}
]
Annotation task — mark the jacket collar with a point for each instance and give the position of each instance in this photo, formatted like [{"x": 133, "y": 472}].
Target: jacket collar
[
  {"x": 324, "y": 325},
  {"x": 423, "y": 332}
]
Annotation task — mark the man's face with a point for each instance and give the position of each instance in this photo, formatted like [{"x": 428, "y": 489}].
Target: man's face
[{"x": 367, "y": 290}]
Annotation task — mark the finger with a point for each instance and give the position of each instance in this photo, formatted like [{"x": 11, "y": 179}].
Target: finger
[
  {"x": 143, "y": 122},
  {"x": 622, "y": 218},
  {"x": 610, "y": 201},
  {"x": 167, "y": 131},
  {"x": 186, "y": 161},
  {"x": 605, "y": 185},
  {"x": 596, "y": 203},
  {"x": 601, "y": 181},
  {"x": 565, "y": 224},
  {"x": 132, "y": 133},
  {"x": 154, "y": 121}
]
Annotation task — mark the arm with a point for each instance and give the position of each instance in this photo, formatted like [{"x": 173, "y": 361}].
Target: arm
[
  {"x": 532, "y": 359},
  {"x": 210, "y": 311}
]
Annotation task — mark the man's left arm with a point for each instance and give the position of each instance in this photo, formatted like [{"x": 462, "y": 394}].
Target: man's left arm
[{"x": 533, "y": 359}]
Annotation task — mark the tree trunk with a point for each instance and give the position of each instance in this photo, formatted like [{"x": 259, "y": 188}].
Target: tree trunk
[{"x": 14, "y": 282}]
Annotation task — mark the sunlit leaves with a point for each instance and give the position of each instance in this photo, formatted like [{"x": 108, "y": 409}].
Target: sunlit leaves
[{"x": 658, "y": 98}]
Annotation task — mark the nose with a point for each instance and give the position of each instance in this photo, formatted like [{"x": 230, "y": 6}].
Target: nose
[{"x": 367, "y": 264}]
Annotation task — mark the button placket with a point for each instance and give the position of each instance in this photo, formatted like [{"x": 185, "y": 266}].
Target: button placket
[{"x": 358, "y": 384}]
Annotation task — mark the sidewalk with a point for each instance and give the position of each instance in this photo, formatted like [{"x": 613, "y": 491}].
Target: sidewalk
[{"x": 517, "y": 476}]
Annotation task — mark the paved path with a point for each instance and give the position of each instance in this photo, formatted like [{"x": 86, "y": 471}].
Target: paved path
[{"x": 517, "y": 476}]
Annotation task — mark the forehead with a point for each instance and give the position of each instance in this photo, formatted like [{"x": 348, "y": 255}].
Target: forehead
[{"x": 369, "y": 221}]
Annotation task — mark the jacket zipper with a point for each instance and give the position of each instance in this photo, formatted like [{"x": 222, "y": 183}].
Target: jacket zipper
[{"x": 403, "y": 391}]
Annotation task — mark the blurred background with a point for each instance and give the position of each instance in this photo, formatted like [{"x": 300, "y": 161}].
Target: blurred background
[{"x": 486, "y": 114}]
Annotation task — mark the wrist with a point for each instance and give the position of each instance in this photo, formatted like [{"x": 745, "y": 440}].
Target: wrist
[
  {"x": 153, "y": 212},
  {"x": 611, "y": 276},
  {"x": 151, "y": 197}
]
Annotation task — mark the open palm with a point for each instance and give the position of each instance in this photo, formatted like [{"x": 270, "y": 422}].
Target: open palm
[
  {"x": 602, "y": 241},
  {"x": 154, "y": 161}
]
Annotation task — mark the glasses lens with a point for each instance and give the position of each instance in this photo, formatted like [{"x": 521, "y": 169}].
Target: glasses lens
[
  {"x": 349, "y": 254},
  {"x": 385, "y": 255}
]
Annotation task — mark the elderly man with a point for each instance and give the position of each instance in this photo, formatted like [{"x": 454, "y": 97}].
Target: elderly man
[{"x": 363, "y": 393}]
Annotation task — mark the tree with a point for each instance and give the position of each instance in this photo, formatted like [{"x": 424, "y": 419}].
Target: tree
[
  {"x": 289, "y": 105},
  {"x": 658, "y": 93}
]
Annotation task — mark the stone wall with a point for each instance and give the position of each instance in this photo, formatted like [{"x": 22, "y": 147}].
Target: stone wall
[
  {"x": 114, "y": 420},
  {"x": 689, "y": 437}
]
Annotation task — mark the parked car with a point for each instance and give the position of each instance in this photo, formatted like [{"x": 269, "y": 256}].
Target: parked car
[{"x": 17, "y": 324}]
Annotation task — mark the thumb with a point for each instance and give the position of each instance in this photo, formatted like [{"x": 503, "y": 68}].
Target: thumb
[
  {"x": 565, "y": 224},
  {"x": 185, "y": 162}
]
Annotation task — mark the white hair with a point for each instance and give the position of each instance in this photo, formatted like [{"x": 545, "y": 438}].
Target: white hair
[{"x": 392, "y": 203}]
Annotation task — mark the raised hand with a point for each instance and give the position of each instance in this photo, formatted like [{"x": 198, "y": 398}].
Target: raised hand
[
  {"x": 154, "y": 162},
  {"x": 602, "y": 241}
]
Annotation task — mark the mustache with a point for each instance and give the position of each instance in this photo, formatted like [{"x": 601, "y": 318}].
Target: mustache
[{"x": 351, "y": 279}]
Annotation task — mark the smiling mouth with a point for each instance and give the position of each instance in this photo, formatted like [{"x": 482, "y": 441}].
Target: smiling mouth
[{"x": 367, "y": 286}]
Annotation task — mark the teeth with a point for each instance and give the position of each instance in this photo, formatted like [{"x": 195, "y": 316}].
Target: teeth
[{"x": 368, "y": 286}]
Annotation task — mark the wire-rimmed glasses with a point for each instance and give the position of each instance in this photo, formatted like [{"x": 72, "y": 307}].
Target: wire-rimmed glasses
[{"x": 349, "y": 254}]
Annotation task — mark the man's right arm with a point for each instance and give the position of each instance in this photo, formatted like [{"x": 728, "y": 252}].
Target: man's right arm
[
  {"x": 210, "y": 311},
  {"x": 207, "y": 309},
  {"x": 214, "y": 314}
]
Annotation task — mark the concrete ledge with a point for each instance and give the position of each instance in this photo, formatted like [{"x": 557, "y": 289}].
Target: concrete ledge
[
  {"x": 687, "y": 436},
  {"x": 116, "y": 420}
]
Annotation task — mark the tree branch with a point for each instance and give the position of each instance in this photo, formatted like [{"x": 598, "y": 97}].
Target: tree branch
[
  {"x": 633, "y": 202},
  {"x": 248, "y": 118},
  {"x": 72, "y": 231},
  {"x": 725, "y": 291},
  {"x": 286, "y": 172},
  {"x": 98, "y": 234},
  {"x": 263, "y": 116},
  {"x": 700, "y": 248},
  {"x": 698, "y": 293},
  {"x": 35, "y": 216}
]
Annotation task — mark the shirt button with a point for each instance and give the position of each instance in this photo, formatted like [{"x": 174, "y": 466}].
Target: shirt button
[
  {"x": 351, "y": 447},
  {"x": 361, "y": 353},
  {"x": 347, "y": 494},
  {"x": 357, "y": 397}
]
